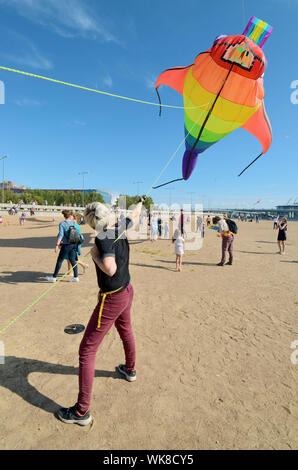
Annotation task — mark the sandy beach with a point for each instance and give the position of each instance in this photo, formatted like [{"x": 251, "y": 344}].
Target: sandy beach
[{"x": 214, "y": 366}]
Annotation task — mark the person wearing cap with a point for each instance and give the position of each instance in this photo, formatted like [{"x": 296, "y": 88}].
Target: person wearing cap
[
  {"x": 227, "y": 240},
  {"x": 111, "y": 257}
]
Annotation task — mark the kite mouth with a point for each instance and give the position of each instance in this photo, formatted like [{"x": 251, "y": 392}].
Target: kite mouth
[{"x": 239, "y": 54}]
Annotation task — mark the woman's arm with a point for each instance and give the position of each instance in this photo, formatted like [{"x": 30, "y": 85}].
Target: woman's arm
[
  {"x": 107, "y": 265},
  {"x": 136, "y": 212}
]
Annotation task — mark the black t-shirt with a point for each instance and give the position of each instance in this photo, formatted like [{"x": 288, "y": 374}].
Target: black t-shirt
[{"x": 107, "y": 246}]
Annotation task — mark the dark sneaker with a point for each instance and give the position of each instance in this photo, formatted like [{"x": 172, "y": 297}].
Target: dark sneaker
[
  {"x": 229, "y": 264},
  {"x": 70, "y": 416},
  {"x": 130, "y": 376},
  {"x": 220, "y": 264}
]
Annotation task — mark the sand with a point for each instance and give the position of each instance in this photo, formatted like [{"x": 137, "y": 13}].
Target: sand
[{"x": 214, "y": 366}]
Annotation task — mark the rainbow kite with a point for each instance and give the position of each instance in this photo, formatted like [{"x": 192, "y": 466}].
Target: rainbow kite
[{"x": 222, "y": 91}]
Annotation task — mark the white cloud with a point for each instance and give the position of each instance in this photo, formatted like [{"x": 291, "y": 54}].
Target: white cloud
[
  {"x": 75, "y": 123},
  {"x": 150, "y": 82},
  {"x": 68, "y": 18},
  {"x": 26, "y": 53},
  {"x": 27, "y": 102},
  {"x": 108, "y": 81}
]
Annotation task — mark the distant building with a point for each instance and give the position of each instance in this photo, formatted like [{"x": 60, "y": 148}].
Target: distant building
[
  {"x": 289, "y": 210},
  {"x": 10, "y": 186}
]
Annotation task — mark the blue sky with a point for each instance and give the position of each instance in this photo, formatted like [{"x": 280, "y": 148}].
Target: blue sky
[{"x": 52, "y": 132}]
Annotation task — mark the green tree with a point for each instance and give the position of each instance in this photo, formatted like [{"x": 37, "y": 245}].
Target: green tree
[{"x": 132, "y": 200}]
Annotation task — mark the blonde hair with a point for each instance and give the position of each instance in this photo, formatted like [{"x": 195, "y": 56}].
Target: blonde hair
[{"x": 98, "y": 216}]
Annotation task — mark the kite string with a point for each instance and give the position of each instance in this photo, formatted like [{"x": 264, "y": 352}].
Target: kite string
[
  {"x": 92, "y": 89},
  {"x": 181, "y": 143}
]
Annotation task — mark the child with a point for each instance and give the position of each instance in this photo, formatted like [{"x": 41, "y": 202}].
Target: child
[
  {"x": 178, "y": 240},
  {"x": 22, "y": 218}
]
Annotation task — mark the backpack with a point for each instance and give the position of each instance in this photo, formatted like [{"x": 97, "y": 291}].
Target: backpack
[
  {"x": 73, "y": 235},
  {"x": 232, "y": 226}
]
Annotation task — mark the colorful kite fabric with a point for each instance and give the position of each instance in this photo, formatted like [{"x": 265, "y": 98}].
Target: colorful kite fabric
[{"x": 222, "y": 91}]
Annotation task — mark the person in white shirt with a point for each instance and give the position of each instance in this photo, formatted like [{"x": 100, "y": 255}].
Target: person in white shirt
[
  {"x": 166, "y": 231},
  {"x": 227, "y": 240},
  {"x": 178, "y": 240},
  {"x": 275, "y": 222}
]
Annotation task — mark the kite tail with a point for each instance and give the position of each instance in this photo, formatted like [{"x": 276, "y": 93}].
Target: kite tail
[
  {"x": 169, "y": 182},
  {"x": 250, "y": 164},
  {"x": 159, "y": 101}
]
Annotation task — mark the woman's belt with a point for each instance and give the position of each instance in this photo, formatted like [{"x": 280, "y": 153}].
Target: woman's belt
[{"x": 104, "y": 294}]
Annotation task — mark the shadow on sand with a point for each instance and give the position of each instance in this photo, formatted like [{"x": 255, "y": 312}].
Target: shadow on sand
[
  {"x": 151, "y": 266},
  {"x": 15, "y": 372},
  {"x": 40, "y": 242},
  {"x": 15, "y": 277},
  {"x": 187, "y": 262}
]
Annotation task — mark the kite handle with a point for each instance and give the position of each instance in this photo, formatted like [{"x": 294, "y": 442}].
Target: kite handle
[
  {"x": 159, "y": 101},
  {"x": 250, "y": 164},
  {"x": 169, "y": 182}
]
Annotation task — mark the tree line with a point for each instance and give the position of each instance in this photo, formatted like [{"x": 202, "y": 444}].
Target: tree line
[
  {"x": 56, "y": 198},
  {"x": 52, "y": 198},
  {"x": 125, "y": 201}
]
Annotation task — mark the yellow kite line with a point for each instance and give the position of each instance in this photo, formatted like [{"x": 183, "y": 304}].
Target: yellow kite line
[{"x": 91, "y": 89}]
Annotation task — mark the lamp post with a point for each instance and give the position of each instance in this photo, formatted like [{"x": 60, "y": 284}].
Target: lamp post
[
  {"x": 138, "y": 186},
  {"x": 191, "y": 200},
  {"x": 3, "y": 158},
  {"x": 83, "y": 173}
]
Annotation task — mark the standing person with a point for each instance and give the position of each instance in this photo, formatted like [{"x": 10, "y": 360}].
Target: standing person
[
  {"x": 275, "y": 222},
  {"x": 257, "y": 219},
  {"x": 111, "y": 257},
  {"x": 159, "y": 224},
  {"x": 178, "y": 240},
  {"x": 23, "y": 218},
  {"x": 282, "y": 227},
  {"x": 227, "y": 240},
  {"x": 32, "y": 210},
  {"x": 67, "y": 249},
  {"x": 199, "y": 223},
  {"x": 166, "y": 230},
  {"x": 153, "y": 227},
  {"x": 181, "y": 222},
  {"x": 208, "y": 220},
  {"x": 77, "y": 218}
]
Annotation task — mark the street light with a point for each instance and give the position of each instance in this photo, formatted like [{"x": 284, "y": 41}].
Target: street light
[
  {"x": 3, "y": 158},
  {"x": 83, "y": 173},
  {"x": 191, "y": 200},
  {"x": 138, "y": 187}
]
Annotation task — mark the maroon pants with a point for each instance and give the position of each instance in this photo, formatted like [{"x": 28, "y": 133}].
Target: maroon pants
[
  {"x": 116, "y": 309},
  {"x": 227, "y": 245}
]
